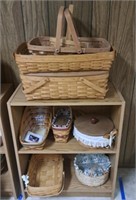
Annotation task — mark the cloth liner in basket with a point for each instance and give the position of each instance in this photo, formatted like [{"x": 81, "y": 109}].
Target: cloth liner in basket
[
  {"x": 45, "y": 175},
  {"x": 35, "y": 120},
  {"x": 92, "y": 169},
  {"x": 94, "y": 131},
  {"x": 61, "y": 123}
]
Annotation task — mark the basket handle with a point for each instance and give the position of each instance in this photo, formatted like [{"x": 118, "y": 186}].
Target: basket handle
[
  {"x": 90, "y": 84},
  {"x": 72, "y": 30},
  {"x": 70, "y": 27},
  {"x": 34, "y": 87},
  {"x": 68, "y": 35},
  {"x": 59, "y": 29}
]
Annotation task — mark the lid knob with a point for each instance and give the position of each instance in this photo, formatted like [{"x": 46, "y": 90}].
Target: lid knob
[{"x": 94, "y": 120}]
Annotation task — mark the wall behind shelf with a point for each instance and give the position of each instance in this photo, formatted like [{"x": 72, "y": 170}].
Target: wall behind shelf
[{"x": 113, "y": 20}]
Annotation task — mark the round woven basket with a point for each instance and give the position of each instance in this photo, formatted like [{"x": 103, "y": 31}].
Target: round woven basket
[
  {"x": 92, "y": 169},
  {"x": 35, "y": 118},
  {"x": 91, "y": 181}
]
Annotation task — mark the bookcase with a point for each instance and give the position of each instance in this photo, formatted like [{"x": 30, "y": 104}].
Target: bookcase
[
  {"x": 113, "y": 106},
  {"x": 9, "y": 184}
]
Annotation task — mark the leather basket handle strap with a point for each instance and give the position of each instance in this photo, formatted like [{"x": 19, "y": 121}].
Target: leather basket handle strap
[
  {"x": 72, "y": 30},
  {"x": 59, "y": 29}
]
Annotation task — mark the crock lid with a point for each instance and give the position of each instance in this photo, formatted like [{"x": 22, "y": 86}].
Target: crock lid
[{"x": 94, "y": 125}]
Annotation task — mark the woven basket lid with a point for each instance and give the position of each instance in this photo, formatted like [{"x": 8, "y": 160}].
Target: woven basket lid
[{"x": 94, "y": 125}]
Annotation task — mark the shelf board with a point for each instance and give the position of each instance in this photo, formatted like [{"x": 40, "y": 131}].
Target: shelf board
[
  {"x": 2, "y": 150},
  {"x": 113, "y": 97},
  {"x": 6, "y": 187},
  {"x": 71, "y": 147}
]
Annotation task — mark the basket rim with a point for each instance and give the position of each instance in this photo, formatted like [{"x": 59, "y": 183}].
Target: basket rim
[
  {"x": 22, "y": 134},
  {"x": 19, "y": 57},
  {"x": 55, "y": 194}
]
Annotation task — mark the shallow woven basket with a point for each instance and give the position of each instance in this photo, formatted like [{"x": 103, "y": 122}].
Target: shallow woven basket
[
  {"x": 91, "y": 181},
  {"x": 29, "y": 121},
  {"x": 61, "y": 135},
  {"x": 28, "y": 63},
  {"x": 45, "y": 175},
  {"x": 65, "y": 85}
]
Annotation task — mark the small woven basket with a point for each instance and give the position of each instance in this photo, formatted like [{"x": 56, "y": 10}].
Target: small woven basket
[
  {"x": 45, "y": 175},
  {"x": 61, "y": 123},
  {"x": 35, "y": 118},
  {"x": 87, "y": 169}
]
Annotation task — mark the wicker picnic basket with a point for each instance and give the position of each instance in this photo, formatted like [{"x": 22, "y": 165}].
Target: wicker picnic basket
[
  {"x": 47, "y": 54},
  {"x": 45, "y": 174},
  {"x": 35, "y": 120},
  {"x": 65, "y": 85},
  {"x": 61, "y": 123},
  {"x": 92, "y": 169}
]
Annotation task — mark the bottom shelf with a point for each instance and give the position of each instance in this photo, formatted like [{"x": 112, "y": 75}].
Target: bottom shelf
[
  {"x": 72, "y": 187},
  {"x": 6, "y": 187}
]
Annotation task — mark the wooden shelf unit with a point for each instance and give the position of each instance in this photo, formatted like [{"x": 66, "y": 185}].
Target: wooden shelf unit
[
  {"x": 113, "y": 106},
  {"x": 9, "y": 180}
]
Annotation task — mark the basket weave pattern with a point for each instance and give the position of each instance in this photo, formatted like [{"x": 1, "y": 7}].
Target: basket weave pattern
[
  {"x": 29, "y": 122},
  {"x": 90, "y": 180},
  {"x": 66, "y": 87},
  {"x": 76, "y": 55},
  {"x": 45, "y": 175},
  {"x": 35, "y": 63},
  {"x": 62, "y": 134}
]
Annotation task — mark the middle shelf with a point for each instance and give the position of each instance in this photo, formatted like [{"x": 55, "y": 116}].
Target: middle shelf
[{"x": 70, "y": 147}]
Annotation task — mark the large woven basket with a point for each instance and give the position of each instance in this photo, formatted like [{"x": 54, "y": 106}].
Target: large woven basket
[
  {"x": 45, "y": 175},
  {"x": 28, "y": 63},
  {"x": 93, "y": 53},
  {"x": 93, "y": 169},
  {"x": 70, "y": 85},
  {"x": 61, "y": 123},
  {"x": 35, "y": 118}
]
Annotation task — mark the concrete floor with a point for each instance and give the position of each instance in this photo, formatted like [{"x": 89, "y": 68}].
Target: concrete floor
[{"x": 129, "y": 182}]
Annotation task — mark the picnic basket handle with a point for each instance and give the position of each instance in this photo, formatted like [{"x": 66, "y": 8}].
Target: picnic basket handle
[
  {"x": 59, "y": 29},
  {"x": 70, "y": 27},
  {"x": 72, "y": 30},
  {"x": 36, "y": 86}
]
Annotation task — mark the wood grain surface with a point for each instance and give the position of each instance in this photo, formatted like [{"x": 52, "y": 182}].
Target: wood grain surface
[
  {"x": 121, "y": 31},
  {"x": 113, "y": 20},
  {"x": 12, "y": 34},
  {"x": 35, "y": 18}
]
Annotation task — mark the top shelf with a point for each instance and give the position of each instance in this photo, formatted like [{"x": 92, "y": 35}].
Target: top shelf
[{"x": 113, "y": 97}]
